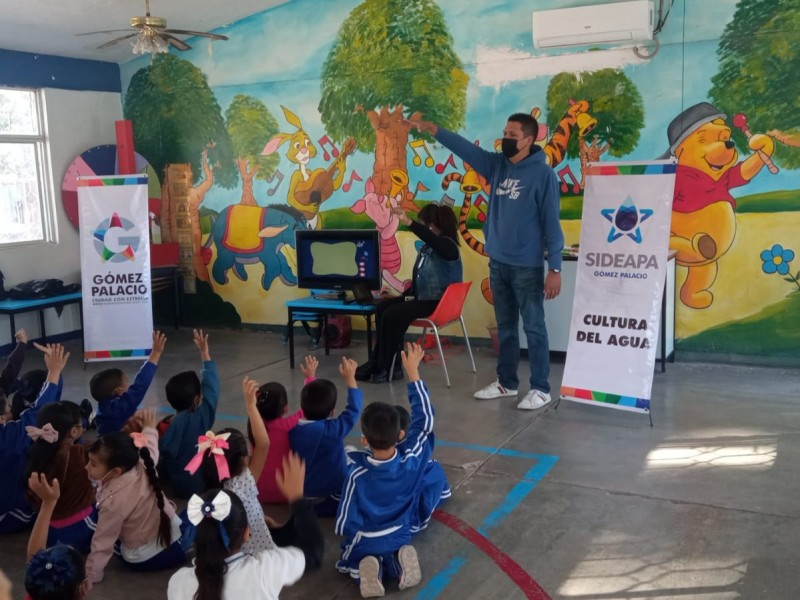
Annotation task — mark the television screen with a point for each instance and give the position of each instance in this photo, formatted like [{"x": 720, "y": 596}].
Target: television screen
[{"x": 335, "y": 259}]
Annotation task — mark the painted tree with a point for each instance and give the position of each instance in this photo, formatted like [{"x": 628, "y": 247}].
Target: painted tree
[
  {"x": 177, "y": 120},
  {"x": 613, "y": 100},
  {"x": 250, "y": 124},
  {"x": 391, "y": 59},
  {"x": 759, "y": 58}
]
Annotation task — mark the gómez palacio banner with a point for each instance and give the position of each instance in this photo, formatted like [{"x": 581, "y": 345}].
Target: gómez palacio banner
[
  {"x": 115, "y": 267},
  {"x": 622, "y": 266}
]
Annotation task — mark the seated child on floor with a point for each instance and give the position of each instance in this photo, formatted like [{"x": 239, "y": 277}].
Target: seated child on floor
[
  {"x": 273, "y": 404},
  {"x": 12, "y": 368},
  {"x": 116, "y": 400},
  {"x": 55, "y": 455},
  {"x": 319, "y": 438},
  {"x": 390, "y": 491},
  {"x": 16, "y": 513},
  {"x": 225, "y": 462},
  {"x": 223, "y": 570},
  {"x": 53, "y": 571},
  {"x": 131, "y": 506},
  {"x": 195, "y": 402}
]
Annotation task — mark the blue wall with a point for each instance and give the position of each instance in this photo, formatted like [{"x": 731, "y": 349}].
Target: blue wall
[{"x": 23, "y": 69}]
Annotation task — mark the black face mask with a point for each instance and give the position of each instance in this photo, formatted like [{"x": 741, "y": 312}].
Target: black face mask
[{"x": 509, "y": 147}]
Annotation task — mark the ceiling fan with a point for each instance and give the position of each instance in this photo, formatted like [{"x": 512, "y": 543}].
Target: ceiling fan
[{"x": 152, "y": 36}]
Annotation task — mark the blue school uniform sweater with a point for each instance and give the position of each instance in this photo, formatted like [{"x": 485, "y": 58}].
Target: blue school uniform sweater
[
  {"x": 179, "y": 444},
  {"x": 321, "y": 445},
  {"x": 14, "y": 446},
  {"x": 380, "y": 497},
  {"x": 523, "y": 214},
  {"x": 112, "y": 413}
]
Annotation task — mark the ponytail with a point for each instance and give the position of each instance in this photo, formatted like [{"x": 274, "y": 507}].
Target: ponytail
[
  {"x": 42, "y": 455},
  {"x": 165, "y": 523},
  {"x": 212, "y": 547}
]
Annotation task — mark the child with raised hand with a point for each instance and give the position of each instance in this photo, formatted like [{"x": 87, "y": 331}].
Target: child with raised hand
[
  {"x": 55, "y": 455},
  {"x": 195, "y": 402},
  {"x": 56, "y": 572},
  {"x": 319, "y": 438},
  {"x": 381, "y": 507},
  {"x": 223, "y": 570},
  {"x": 272, "y": 404},
  {"x": 16, "y": 513},
  {"x": 225, "y": 462},
  {"x": 10, "y": 372},
  {"x": 116, "y": 400},
  {"x": 131, "y": 506}
]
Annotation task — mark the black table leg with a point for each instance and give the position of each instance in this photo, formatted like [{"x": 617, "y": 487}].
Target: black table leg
[
  {"x": 176, "y": 278},
  {"x": 368, "y": 317},
  {"x": 663, "y": 331},
  {"x": 325, "y": 334},
  {"x": 41, "y": 325},
  {"x": 291, "y": 339},
  {"x": 13, "y": 324}
]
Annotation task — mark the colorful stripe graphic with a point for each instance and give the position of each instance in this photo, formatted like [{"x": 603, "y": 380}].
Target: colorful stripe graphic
[
  {"x": 590, "y": 396},
  {"x": 612, "y": 169},
  {"x": 108, "y": 354},
  {"x": 108, "y": 181}
]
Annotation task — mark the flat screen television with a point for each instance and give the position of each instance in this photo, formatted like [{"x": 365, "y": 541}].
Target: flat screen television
[{"x": 336, "y": 259}]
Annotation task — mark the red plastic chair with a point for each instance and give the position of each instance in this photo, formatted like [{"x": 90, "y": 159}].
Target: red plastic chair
[{"x": 448, "y": 311}]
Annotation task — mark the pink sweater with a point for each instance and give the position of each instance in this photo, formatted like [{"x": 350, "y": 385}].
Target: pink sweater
[
  {"x": 127, "y": 511},
  {"x": 278, "y": 430}
]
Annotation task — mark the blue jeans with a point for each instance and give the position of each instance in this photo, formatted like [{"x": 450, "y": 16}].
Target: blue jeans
[{"x": 520, "y": 290}]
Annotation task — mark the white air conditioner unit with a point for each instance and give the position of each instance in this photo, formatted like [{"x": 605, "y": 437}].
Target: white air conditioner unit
[{"x": 614, "y": 23}]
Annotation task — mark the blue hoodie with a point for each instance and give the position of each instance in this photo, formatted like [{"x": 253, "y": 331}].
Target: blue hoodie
[
  {"x": 321, "y": 445},
  {"x": 179, "y": 443},
  {"x": 14, "y": 445},
  {"x": 522, "y": 218},
  {"x": 112, "y": 413}
]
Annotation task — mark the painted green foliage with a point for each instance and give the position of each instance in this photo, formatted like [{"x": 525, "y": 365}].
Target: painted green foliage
[
  {"x": 759, "y": 62},
  {"x": 250, "y": 124},
  {"x": 614, "y": 101},
  {"x": 175, "y": 116},
  {"x": 389, "y": 53}
]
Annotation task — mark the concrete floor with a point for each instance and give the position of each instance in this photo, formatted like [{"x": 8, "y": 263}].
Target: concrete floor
[{"x": 590, "y": 503}]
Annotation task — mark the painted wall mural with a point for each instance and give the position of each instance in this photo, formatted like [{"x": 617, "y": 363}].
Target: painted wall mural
[{"x": 276, "y": 133}]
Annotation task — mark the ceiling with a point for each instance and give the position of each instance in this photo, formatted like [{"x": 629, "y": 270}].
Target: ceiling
[{"x": 49, "y": 26}]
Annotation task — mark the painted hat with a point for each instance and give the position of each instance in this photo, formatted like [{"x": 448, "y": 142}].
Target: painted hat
[{"x": 689, "y": 120}]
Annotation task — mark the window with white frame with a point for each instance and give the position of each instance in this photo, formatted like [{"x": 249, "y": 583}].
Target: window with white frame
[{"x": 25, "y": 211}]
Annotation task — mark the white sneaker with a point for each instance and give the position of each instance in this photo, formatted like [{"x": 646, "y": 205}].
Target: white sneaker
[
  {"x": 410, "y": 574},
  {"x": 369, "y": 574},
  {"x": 494, "y": 390},
  {"x": 534, "y": 399}
]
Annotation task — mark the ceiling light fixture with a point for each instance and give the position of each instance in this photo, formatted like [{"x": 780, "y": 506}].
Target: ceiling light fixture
[{"x": 147, "y": 42}]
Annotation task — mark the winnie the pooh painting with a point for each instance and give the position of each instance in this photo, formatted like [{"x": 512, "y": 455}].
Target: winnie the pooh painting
[{"x": 703, "y": 219}]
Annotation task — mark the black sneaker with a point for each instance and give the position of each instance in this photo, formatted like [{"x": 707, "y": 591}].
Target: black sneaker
[
  {"x": 397, "y": 374},
  {"x": 380, "y": 376},
  {"x": 364, "y": 372}
]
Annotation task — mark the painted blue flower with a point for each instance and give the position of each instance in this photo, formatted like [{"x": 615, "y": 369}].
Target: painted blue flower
[{"x": 776, "y": 260}]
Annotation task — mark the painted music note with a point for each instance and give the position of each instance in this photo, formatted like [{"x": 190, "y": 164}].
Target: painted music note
[
  {"x": 476, "y": 202},
  {"x": 276, "y": 175},
  {"x": 349, "y": 183},
  {"x": 447, "y": 201},
  {"x": 565, "y": 174},
  {"x": 442, "y": 166},
  {"x": 325, "y": 140},
  {"x": 421, "y": 187},
  {"x": 417, "y": 146}
]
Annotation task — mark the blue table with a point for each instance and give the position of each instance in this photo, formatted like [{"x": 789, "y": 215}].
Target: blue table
[
  {"x": 15, "y": 307},
  {"x": 324, "y": 307}
]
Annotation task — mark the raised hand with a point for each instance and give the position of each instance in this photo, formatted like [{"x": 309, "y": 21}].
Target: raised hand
[
  {"x": 411, "y": 357},
  {"x": 55, "y": 358},
  {"x": 290, "y": 480},
  {"x": 21, "y": 336},
  {"x": 148, "y": 417},
  {"x": 201, "y": 341},
  {"x": 309, "y": 366},
  {"x": 249, "y": 391},
  {"x": 46, "y": 492},
  {"x": 347, "y": 369},
  {"x": 159, "y": 343}
]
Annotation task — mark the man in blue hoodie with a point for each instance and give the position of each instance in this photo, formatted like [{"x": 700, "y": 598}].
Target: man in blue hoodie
[{"x": 521, "y": 223}]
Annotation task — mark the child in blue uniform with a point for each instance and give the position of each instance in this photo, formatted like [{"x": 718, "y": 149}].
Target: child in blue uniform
[
  {"x": 195, "y": 402},
  {"x": 387, "y": 489},
  {"x": 116, "y": 401},
  {"x": 319, "y": 439},
  {"x": 16, "y": 512}
]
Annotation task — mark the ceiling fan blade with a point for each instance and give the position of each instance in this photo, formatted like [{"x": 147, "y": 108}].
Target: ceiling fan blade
[
  {"x": 117, "y": 40},
  {"x": 179, "y": 44},
  {"x": 213, "y": 36},
  {"x": 107, "y": 31}
]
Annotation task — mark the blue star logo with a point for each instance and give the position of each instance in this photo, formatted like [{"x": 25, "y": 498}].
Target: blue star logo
[{"x": 626, "y": 220}]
